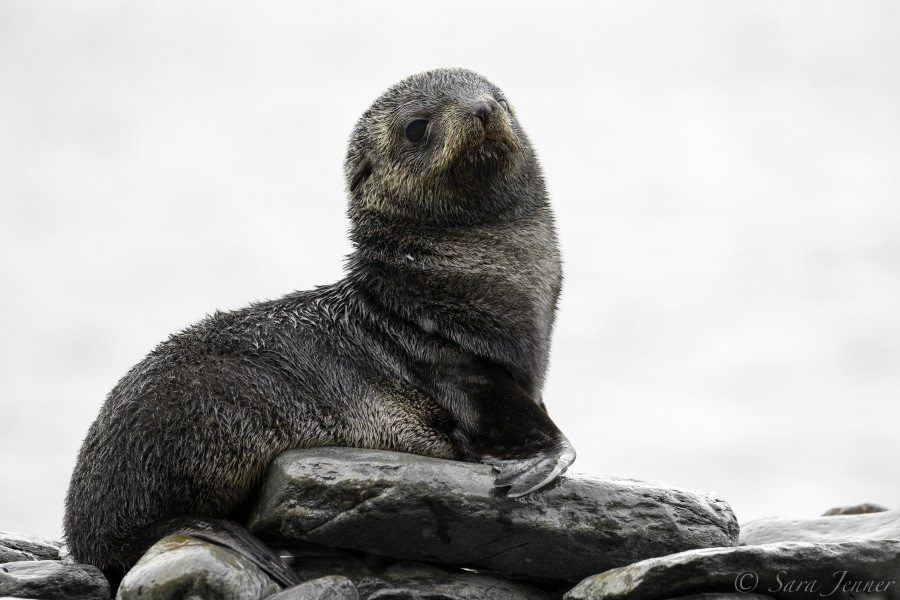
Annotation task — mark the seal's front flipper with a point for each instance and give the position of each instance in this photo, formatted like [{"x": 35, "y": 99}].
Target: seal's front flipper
[
  {"x": 530, "y": 473},
  {"x": 499, "y": 421}
]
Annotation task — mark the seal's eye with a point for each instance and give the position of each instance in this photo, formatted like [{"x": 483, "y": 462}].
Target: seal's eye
[{"x": 415, "y": 131}]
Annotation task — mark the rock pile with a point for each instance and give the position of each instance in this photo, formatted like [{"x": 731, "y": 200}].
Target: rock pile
[
  {"x": 36, "y": 568},
  {"x": 372, "y": 525}
]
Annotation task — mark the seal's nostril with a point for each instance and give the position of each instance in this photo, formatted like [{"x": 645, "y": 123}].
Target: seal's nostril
[{"x": 482, "y": 110}]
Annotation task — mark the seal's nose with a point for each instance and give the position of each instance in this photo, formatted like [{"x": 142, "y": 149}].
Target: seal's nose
[{"x": 482, "y": 110}]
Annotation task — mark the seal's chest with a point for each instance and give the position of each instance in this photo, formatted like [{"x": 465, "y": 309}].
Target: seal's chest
[{"x": 508, "y": 273}]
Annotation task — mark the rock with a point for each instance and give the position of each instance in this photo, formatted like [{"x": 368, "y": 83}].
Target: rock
[
  {"x": 316, "y": 561},
  {"x": 409, "y": 594},
  {"x": 330, "y": 587},
  {"x": 858, "y": 509},
  {"x": 16, "y": 547},
  {"x": 13, "y": 555},
  {"x": 417, "y": 508},
  {"x": 787, "y": 570},
  {"x": 52, "y": 579},
  {"x": 723, "y": 596},
  {"x": 839, "y": 528},
  {"x": 373, "y": 574},
  {"x": 429, "y": 579},
  {"x": 369, "y": 585},
  {"x": 180, "y": 566}
]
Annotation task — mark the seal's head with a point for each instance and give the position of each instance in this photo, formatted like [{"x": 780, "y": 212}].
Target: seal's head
[{"x": 442, "y": 147}]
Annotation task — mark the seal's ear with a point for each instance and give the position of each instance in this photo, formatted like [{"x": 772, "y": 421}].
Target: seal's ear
[{"x": 360, "y": 172}]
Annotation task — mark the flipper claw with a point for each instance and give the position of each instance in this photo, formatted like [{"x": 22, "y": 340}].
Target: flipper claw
[{"x": 528, "y": 474}]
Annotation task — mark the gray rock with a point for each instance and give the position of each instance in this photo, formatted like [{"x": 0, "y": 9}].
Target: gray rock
[
  {"x": 372, "y": 574},
  {"x": 724, "y": 596},
  {"x": 429, "y": 579},
  {"x": 856, "y": 509},
  {"x": 417, "y": 508},
  {"x": 369, "y": 585},
  {"x": 788, "y": 570},
  {"x": 51, "y": 579},
  {"x": 316, "y": 561},
  {"x": 330, "y": 587},
  {"x": 180, "y": 566},
  {"x": 410, "y": 594},
  {"x": 839, "y": 528},
  {"x": 13, "y": 555},
  {"x": 16, "y": 547}
]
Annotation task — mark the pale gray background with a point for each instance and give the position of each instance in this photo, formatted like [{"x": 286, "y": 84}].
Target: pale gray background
[{"x": 725, "y": 176}]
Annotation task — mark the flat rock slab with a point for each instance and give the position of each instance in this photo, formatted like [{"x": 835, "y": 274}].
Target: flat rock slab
[
  {"x": 330, "y": 587},
  {"x": 16, "y": 546},
  {"x": 52, "y": 579},
  {"x": 718, "y": 596},
  {"x": 375, "y": 574},
  {"x": 426, "y": 579},
  {"x": 410, "y": 594},
  {"x": 417, "y": 508},
  {"x": 884, "y": 525},
  {"x": 856, "y": 509},
  {"x": 789, "y": 570}
]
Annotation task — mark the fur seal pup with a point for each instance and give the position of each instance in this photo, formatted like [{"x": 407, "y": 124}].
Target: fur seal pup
[{"x": 436, "y": 342}]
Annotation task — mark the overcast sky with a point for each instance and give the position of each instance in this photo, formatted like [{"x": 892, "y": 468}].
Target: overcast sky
[{"x": 725, "y": 177}]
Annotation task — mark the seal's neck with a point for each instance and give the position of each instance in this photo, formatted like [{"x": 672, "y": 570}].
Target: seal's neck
[{"x": 490, "y": 288}]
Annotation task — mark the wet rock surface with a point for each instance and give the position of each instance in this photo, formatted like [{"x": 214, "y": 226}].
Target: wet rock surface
[
  {"x": 417, "y": 508},
  {"x": 371, "y": 525},
  {"x": 409, "y": 594},
  {"x": 799, "y": 570},
  {"x": 374, "y": 574},
  {"x": 723, "y": 596},
  {"x": 881, "y": 525},
  {"x": 856, "y": 509},
  {"x": 330, "y": 587},
  {"x": 425, "y": 579},
  {"x": 16, "y": 547},
  {"x": 52, "y": 580},
  {"x": 179, "y": 566}
]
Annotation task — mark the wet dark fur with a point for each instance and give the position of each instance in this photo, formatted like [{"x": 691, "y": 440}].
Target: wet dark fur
[{"x": 435, "y": 342}]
